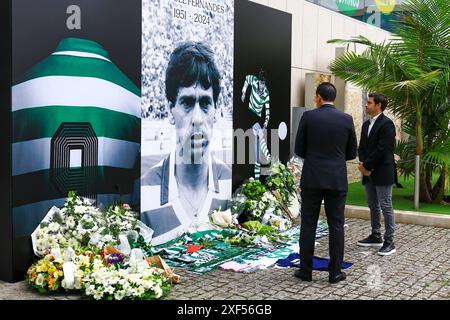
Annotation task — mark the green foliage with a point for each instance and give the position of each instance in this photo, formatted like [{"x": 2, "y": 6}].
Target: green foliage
[
  {"x": 282, "y": 179},
  {"x": 72, "y": 194},
  {"x": 208, "y": 243},
  {"x": 259, "y": 228},
  {"x": 406, "y": 150},
  {"x": 254, "y": 190},
  {"x": 263, "y": 230},
  {"x": 58, "y": 218},
  {"x": 143, "y": 245},
  {"x": 243, "y": 240}
]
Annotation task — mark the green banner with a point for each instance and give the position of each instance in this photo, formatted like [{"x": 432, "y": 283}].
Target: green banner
[{"x": 348, "y": 7}]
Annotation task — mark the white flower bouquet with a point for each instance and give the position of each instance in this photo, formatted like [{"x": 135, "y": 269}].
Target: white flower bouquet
[
  {"x": 99, "y": 274},
  {"x": 79, "y": 223},
  {"x": 137, "y": 282},
  {"x": 257, "y": 209},
  {"x": 275, "y": 219}
]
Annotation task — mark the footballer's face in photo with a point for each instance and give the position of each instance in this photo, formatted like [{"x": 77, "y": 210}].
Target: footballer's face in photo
[{"x": 193, "y": 115}]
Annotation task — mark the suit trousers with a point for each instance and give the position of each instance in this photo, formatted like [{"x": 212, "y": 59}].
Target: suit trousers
[{"x": 334, "y": 208}]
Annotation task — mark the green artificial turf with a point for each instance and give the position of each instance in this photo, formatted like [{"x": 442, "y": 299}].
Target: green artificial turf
[{"x": 357, "y": 196}]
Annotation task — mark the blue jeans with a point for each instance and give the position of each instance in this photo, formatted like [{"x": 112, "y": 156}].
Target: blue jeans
[{"x": 379, "y": 198}]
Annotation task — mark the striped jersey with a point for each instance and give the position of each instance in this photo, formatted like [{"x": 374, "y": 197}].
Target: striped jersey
[
  {"x": 162, "y": 207},
  {"x": 258, "y": 100},
  {"x": 76, "y": 126}
]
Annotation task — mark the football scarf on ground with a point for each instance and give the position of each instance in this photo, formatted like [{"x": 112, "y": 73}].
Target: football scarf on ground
[{"x": 209, "y": 258}]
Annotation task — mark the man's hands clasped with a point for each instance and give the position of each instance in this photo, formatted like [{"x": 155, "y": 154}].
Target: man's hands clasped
[{"x": 363, "y": 170}]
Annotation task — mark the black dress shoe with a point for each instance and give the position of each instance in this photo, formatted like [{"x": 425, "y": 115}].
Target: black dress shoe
[
  {"x": 303, "y": 275},
  {"x": 337, "y": 278}
]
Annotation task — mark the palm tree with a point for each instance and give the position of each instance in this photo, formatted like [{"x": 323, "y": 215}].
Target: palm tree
[{"x": 413, "y": 70}]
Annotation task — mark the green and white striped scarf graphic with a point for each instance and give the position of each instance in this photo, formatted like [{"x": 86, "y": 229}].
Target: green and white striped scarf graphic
[{"x": 76, "y": 123}]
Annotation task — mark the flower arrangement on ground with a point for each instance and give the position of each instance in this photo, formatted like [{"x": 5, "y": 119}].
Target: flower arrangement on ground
[
  {"x": 80, "y": 223},
  {"x": 260, "y": 204},
  {"x": 46, "y": 275},
  {"x": 254, "y": 233},
  {"x": 100, "y": 253},
  {"x": 99, "y": 275},
  {"x": 63, "y": 269},
  {"x": 281, "y": 179},
  {"x": 274, "y": 203},
  {"x": 258, "y": 199},
  {"x": 283, "y": 185},
  {"x": 109, "y": 283}
]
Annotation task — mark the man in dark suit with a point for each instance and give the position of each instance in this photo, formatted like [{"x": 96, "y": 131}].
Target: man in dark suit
[
  {"x": 326, "y": 139},
  {"x": 376, "y": 156}
]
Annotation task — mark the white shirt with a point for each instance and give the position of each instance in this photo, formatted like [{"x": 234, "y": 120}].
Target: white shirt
[
  {"x": 372, "y": 122},
  {"x": 165, "y": 212}
]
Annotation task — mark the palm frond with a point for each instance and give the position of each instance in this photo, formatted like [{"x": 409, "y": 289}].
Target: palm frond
[
  {"x": 413, "y": 86},
  {"x": 438, "y": 155},
  {"x": 406, "y": 151}
]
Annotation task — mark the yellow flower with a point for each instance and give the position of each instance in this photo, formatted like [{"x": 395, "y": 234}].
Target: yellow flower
[
  {"x": 79, "y": 273},
  {"x": 51, "y": 270},
  {"x": 31, "y": 270},
  {"x": 42, "y": 268},
  {"x": 84, "y": 261}
]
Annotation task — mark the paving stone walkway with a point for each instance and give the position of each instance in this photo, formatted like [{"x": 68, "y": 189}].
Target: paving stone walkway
[{"x": 419, "y": 270}]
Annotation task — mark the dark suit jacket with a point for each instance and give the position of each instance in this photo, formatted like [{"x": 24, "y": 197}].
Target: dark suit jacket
[
  {"x": 326, "y": 139},
  {"x": 377, "y": 151}
]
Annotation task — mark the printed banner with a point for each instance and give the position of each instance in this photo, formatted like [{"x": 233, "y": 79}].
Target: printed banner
[
  {"x": 76, "y": 108},
  {"x": 262, "y": 85}
]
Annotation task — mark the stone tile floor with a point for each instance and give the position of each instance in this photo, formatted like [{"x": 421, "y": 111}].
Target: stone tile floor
[{"x": 419, "y": 270}]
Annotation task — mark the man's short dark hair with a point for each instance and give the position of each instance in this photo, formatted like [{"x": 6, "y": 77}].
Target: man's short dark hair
[
  {"x": 327, "y": 91},
  {"x": 189, "y": 63},
  {"x": 379, "y": 98}
]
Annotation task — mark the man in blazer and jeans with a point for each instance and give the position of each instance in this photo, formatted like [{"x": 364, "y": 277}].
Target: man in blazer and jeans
[
  {"x": 376, "y": 156},
  {"x": 326, "y": 139}
]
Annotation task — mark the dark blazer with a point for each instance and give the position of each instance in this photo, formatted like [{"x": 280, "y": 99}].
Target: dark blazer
[
  {"x": 376, "y": 152},
  {"x": 326, "y": 139}
]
